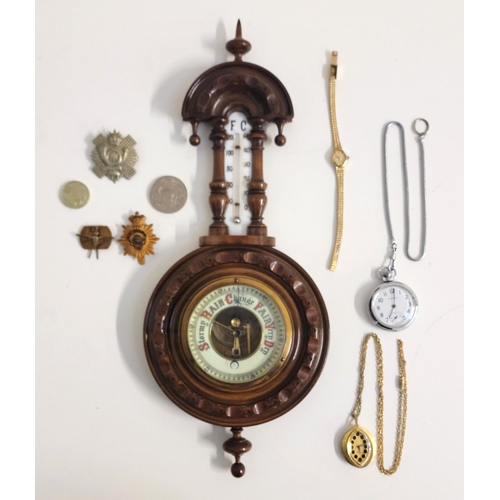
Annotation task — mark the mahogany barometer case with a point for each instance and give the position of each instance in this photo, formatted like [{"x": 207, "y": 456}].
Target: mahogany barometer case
[{"x": 236, "y": 332}]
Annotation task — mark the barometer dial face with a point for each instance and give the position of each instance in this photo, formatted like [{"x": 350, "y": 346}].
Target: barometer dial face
[{"x": 238, "y": 331}]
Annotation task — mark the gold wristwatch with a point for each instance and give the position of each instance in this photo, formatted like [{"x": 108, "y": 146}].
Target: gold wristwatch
[{"x": 339, "y": 159}]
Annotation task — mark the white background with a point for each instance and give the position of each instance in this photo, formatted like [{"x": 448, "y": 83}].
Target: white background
[{"x": 104, "y": 428}]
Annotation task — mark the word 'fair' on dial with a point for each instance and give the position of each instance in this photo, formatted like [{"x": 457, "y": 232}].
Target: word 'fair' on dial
[{"x": 237, "y": 333}]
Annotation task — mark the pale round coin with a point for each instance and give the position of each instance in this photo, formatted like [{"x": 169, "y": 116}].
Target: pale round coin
[
  {"x": 168, "y": 194},
  {"x": 75, "y": 194}
]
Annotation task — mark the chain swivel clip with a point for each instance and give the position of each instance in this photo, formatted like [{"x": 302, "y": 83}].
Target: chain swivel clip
[{"x": 389, "y": 273}]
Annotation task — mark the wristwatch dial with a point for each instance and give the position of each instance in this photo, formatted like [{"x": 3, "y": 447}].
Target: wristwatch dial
[
  {"x": 238, "y": 330},
  {"x": 393, "y": 306},
  {"x": 339, "y": 158}
]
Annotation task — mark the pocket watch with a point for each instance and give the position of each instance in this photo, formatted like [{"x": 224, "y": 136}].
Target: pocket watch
[
  {"x": 236, "y": 332},
  {"x": 393, "y": 306}
]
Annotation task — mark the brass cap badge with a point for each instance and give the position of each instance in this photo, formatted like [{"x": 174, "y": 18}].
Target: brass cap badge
[
  {"x": 95, "y": 238},
  {"x": 138, "y": 239}
]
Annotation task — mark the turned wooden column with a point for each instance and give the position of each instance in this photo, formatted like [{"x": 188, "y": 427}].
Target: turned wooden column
[
  {"x": 262, "y": 98},
  {"x": 218, "y": 198},
  {"x": 257, "y": 199}
]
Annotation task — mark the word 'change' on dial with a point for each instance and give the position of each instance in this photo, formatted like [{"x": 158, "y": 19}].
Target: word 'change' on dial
[{"x": 237, "y": 333}]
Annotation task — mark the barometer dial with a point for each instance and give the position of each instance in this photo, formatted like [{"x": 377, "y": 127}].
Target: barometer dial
[{"x": 238, "y": 332}]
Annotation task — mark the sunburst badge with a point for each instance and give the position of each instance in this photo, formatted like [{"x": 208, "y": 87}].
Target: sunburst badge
[
  {"x": 138, "y": 239},
  {"x": 114, "y": 156}
]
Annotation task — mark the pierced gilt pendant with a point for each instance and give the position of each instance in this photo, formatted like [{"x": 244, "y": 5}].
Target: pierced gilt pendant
[
  {"x": 138, "y": 239},
  {"x": 358, "y": 446},
  {"x": 114, "y": 157}
]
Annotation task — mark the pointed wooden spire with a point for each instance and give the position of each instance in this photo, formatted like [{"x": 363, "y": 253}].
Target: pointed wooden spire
[{"x": 238, "y": 46}]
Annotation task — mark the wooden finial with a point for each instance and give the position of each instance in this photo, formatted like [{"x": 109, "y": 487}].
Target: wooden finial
[
  {"x": 238, "y": 46},
  {"x": 237, "y": 445}
]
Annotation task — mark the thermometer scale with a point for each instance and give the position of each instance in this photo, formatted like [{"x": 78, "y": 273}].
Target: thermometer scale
[{"x": 238, "y": 172}]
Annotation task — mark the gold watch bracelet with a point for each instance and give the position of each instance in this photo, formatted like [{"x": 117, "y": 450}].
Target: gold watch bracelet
[{"x": 339, "y": 158}]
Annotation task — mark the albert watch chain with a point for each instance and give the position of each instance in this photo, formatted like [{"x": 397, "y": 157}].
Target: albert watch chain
[
  {"x": 393, "y": 305},
  {"x": 358, "y": 445}
]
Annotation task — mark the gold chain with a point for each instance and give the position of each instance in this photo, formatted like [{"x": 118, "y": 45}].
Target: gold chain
[
  {"x": 339, "y": 159},
  {"x": 402, "y": 402}
]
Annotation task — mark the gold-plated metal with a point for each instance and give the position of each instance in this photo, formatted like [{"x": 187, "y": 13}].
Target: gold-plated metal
[
  {"x": 358, "y": 447},
  {"x": 348, "y": 443},
  {"x": 114, "y": 157},
  {"x": 333, "y": 64},
  {"x": 95, "y": 238},
  {"x": 138, "y": 239},
  {"x": 339, "y": 158}
]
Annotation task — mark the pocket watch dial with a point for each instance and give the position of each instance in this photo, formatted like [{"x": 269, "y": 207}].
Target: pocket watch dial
[
  {"x": 393, "y": 306},
  {"x": 237, "y": 333}
]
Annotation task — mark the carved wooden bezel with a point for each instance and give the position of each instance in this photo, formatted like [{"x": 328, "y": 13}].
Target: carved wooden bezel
[{"x": 254, "y": 402}]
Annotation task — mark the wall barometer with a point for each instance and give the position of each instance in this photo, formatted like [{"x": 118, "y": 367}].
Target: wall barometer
[{"x": 236, "y": 332}]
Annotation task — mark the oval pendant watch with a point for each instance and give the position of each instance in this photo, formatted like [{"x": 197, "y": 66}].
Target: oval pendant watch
[{"x": 358, "y": 447}]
